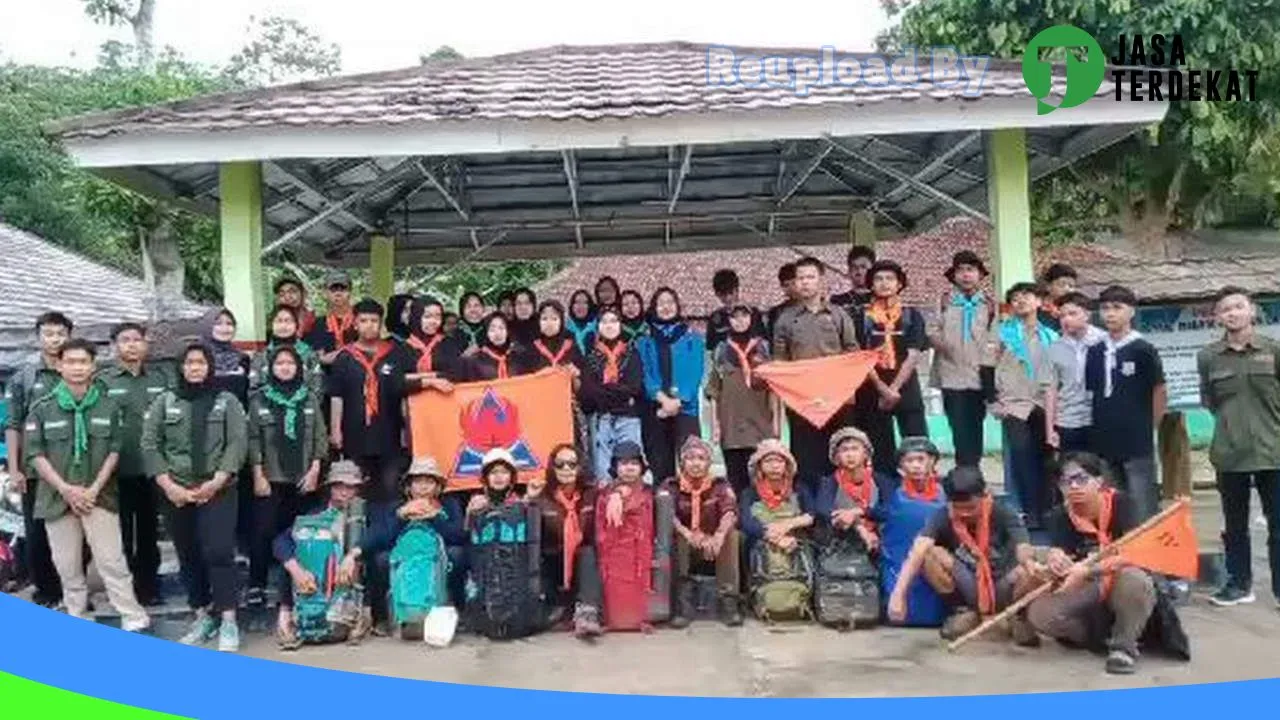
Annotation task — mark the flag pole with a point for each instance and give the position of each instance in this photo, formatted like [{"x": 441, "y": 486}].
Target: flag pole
[{"x": 1030, "y": 597}]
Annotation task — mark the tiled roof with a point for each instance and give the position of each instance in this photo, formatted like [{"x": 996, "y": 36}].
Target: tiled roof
[{"x": 555, "y": 83}]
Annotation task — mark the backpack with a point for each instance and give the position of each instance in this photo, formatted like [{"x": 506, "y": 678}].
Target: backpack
[
  {"x": 627, "y": 562},
  {"x": 781, "y": 582},
  {"x": 328, "y": 614},
  {"x": 419, "y": 573},
  {"x": 663, "y": 529},
  {"x": 504, "y": 589},
  {"x": 847, "y": 586}
]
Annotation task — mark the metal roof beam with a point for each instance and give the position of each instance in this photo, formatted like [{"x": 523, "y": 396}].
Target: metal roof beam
[
  {"x": 814, "y": 164},
  {"x": 904, "y": 178},
  {"x": 932, "y": 166},
  {"x": 302, "y": 179},
  {"x": 679, "y": 183},
  {"x": 571, "y": 177},
  {"x": 339, "y": 207},
  {"x": 858, "y": 194}
]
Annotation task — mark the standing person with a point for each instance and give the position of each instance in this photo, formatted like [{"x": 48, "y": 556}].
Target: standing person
[
  {"x": 1068, "y": 406},
  {"x": 743, "y": 411},
  {"x": 73, "y": 441},
  {"x": 230, "y": 369},
  {"x": 813, "y": 328},
  {"x": 553, "y": 346},
  {"x": 1059, "y": 281},
  {"x": 570, "y": 568},
  {"x": 284, "y": 333},
  {"x": 133, "y": 383},
  {"x": 612, "y": 392},
  {"x": 29, "y": 384},
  {"x": 451, "y": 321},
  {"x": 287, "y": 442},
  {"x": 435, "y": 355},
  {"x": 399, "y": 316},
  {"x": 962, "y": 327},
  {"x": 1126, "y": 378},
  {"x": 674, "y": 360},
  {"x": 290, "y": 292},
  {"x": 194, "y": 440},
  {"x": 893, "y": 390},
  {"x": 336, "y": 328},
  {"x": 790, "y": 296},
  {"x": 706, "y": 538},
  {"x": 471, "y": 322},
  {"x": 524, "y": 317},
  {"x": 507, "y": 304},
  {"x": 725, "y": 283},
  {"x": 499, "y": 357},
  {"x": 1240, "y": 385},
  {"x": 581, "y": 322},
  {"x": 365, "y": 418},
  {"x": 634, "y": 325},
  {"x": 1019, "y": 377},
  {"x": 859, "y": 261},
  {"x": 608, "y": 293}
]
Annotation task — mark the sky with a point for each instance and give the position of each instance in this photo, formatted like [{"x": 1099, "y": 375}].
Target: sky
[{"x": 386, "y": 34}]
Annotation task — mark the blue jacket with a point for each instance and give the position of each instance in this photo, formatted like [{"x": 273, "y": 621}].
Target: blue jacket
[
  {"x": 824, "y": 500},
  {"x": 385, "y": 526},
  {"x": 752, "y": 528},
  {"x": 688, "y": 366}
]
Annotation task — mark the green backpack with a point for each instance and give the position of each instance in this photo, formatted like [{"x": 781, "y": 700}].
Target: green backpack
[
  {"x": 328, "y": 614},
  {"x": 419, "y": 573},
  {"x": 781, "y": 582}
]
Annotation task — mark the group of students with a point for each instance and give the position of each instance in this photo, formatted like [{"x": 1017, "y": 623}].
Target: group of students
[{"x": 846, "y": 524}]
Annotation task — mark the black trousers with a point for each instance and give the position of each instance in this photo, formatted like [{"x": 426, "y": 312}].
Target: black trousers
[
  {"x": 1073, "y": 439},
  {"x": 139, "y": 533},
  {"x": 586, "y": 587},
  {"x": 878, "y": 424},
  {"x": 35, "y": 550},
  {"x": 736, "y": 471},
  {"x": 1027, "y": 453},
  {"x": 204, "y": 537},
  {"x": 965, "y": 411},
  {"x": 809, "y": 444},
  {"x": 271, "y": 516},
  {"x": 1234, "y": 489},
  {"x": 381, "y": 477},
  {"x": 662, "y": 440}
]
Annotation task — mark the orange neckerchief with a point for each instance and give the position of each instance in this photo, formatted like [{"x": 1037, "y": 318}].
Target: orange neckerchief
[
  {"x": 553, "y": 358},
  {"x": 1101, "y": 531},
  {"x": 572, "y": 529},
  {"x": 981, "y": 549},
  {"x": 744, "y": 357},
  {"x": 425, "y": 363},
  {"x": 501, "y": 360},
  {"x": 859, "y": 488},
  {"x": 695, "y": 496},
  {"x": 338, "y": 325},
  {"x": 928, "y": 494},
  {"x": 612, "y": 366},
  {"x": 1051, "y": 308},
  {"x": 306, "y": 321},
  {"x": 370, "y": 365},
  {"x": 773, "y": 499},
  {"x": 887, "y": 314}
]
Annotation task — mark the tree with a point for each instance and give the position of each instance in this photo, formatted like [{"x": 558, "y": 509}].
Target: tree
[
  {"x": 139, "y": 15},
  {"x": 280, "y": 50},
  {"x": 1207, "y": 163},
  {"x": 444, "y": 52}
]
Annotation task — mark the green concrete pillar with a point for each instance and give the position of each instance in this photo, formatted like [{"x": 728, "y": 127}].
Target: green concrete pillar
[
  {"x": 240, "y": 190},
  {"x": 382, "y": 267},
  {"x": 863, "y": 229},
  {"x": 1009, "y": 201}
]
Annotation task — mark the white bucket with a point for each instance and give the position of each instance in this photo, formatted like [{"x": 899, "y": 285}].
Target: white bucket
[{"x": 439, "y": 626}]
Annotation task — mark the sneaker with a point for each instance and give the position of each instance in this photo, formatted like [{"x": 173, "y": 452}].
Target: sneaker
[
  {"x": 255, "y": 598},
  {"x": 1024, "y": 635},
  {"x": 229, "y": 637},
  {"x": 1230, "y": 595},
  {"x": 1120, "y": 662},
  {"x": 201, "y": 632},
  {"x": 586, "y": 622},
  {"x": 960, "y": 623},
  {"x": 137, "y": 625}
]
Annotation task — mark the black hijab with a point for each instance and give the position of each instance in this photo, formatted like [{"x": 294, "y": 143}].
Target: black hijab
[
  {"x": 632, "y": 327},
  {"x": 488, "y": 322},
  {"x": 617, "y": 290},
  {"x": 525, "y": 331},
  {"x": 497, "y": 498},
  {"x": 419, "y": 308},
  {"x": 276, "y": 340},
  {"x": 665, "y": 334},
  {"x": 291, "y": 455},
  {"x": 397, "y": 326},
  {"x": 224, "y": 357},
  {"x": 552, "y": 343},
  {"x": 202, "y": 396},
  {"x": 470, "y": 333}
]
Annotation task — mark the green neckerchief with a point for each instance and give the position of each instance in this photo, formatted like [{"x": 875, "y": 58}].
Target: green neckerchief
[
  {"x": 299, "y": 346},
  {"x": 290, "y": 403},
  {"x": 68, "y": 403}
]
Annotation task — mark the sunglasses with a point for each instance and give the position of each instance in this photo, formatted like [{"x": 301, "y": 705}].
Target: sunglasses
[{"x": 566, "y": 464}]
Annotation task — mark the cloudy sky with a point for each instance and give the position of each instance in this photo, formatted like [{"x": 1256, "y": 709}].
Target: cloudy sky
[{"x": 383, "y": 34}]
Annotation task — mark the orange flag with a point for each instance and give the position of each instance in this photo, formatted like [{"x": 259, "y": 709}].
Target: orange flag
[
  {"x": 1168, "y": 547},
  {"x": 816, "y": 389},
  {"x": 526, "y": 415}
]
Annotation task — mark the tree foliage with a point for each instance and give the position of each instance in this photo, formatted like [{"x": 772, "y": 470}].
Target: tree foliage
[
  {"x": 1206, "y": 164},
  {"x": 280, "y": 50},
  {"x": 444, "y": 52}
]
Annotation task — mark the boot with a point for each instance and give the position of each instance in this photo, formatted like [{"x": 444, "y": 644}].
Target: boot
[
  {"x": 586, "y": 622},
  {"x": 684, "y": 610},
  {"x": 730, "y": 610}
]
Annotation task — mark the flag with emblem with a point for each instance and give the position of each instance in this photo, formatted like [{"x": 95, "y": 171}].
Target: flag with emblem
[
  {"x": 1168, "y": 546},
  {"x": 816, "y": 389}
]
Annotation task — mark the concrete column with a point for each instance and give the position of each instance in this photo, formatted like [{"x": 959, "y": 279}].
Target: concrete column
[
  {"x": 240, "y": 189},
  {"x": 1009, "y": 201},
  {"x": 382, "y": 267},
  {"x": 863, "y": 229}
]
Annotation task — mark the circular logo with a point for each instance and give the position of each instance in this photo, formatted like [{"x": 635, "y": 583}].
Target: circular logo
[{"x": 1084, "y": 76}]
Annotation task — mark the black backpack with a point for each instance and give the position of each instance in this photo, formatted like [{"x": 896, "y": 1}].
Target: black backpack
[
  {"x": 847, "y": 583},
  {"x": 504, "y": 589}
]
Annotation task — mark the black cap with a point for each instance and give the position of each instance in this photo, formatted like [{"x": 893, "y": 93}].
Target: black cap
[
  {"x": 626, "y": 450},
  {"x": 965, "y": 257},
  {"x": 888, "y": 266},
  {"x": 918, "y": 444},
  {"x": 964, "y": 482}
]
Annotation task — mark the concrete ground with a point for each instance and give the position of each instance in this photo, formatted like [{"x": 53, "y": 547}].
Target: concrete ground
[{"x": 807, "y": 661}]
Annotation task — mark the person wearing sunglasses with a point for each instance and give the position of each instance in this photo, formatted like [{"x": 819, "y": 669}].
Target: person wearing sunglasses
[{"x": 566, "y": 497}]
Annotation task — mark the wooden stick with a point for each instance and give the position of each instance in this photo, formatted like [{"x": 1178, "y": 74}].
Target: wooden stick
[{"x": 1030, "y": 597}]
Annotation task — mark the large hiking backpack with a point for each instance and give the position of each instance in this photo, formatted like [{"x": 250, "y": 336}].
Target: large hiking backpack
[
  {"x": 419, "y": 573},
  {"x": 504, "y": 589},
  {"x": 781, "y": 582},
  {"x": 328, "y": 614},
  {"x": 626, "y": 557},
  {"x": 664, "y": 505},
  {"x": 847, "y": 586}
]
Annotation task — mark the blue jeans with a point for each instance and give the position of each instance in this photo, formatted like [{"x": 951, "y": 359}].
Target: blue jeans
[{"x": 606, "y": 432}]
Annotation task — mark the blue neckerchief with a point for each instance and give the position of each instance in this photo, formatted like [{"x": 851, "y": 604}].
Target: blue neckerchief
[
  {"x": 969, "y": 304},
  {"x": 1011, "y": 335},
  {"x": 580, "y": 331}
]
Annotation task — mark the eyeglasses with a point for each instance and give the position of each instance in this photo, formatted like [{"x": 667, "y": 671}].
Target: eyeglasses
[
  {"x": 1078, "y": 478},
  {"x": 566, "y": 464}
]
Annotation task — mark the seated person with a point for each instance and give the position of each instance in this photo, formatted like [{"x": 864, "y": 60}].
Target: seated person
[
  {"x": 307, "y": 552},
  {"x": 566, "y": 496},
  {"x": 624, "y": 540},
  {"x": 1103, "y": 596},
  {"x": 846, "y": 510},
  {"x": 498, "y": 476},
  {"x": 976, "y": 555},
  {"x": 775, "y": 518},
  {"x": 706, "y": 539},
  {"x": 424, "y": 503},
  {"x": 911, "y": 500}
]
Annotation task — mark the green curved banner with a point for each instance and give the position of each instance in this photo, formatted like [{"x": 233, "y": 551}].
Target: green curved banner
[{"x": 26, "y": 699}]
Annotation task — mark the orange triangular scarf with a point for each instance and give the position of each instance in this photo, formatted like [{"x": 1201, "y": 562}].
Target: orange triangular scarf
[
  {"x": 426, "y": 349},
  {"x": 370, "y": 365},
  {"x": 858, "y": 487},
  {"x": 928, "y": 494},
  {"x": 338, "y": 325},
  {"x": 744, "y": 357},
  {"x": 612, "y": 366},
  {"x": 887, "y": 314},
  {"x": 816, "y": 389},
  {"x": 501, "y": 360},
  {"x": 1101, "y": 531},
  {"x": 572, "y": 530},
  {"x": 695, "y": 496},
  {"x": 1169, "y": 547},
  {"x": 553, "y": 358},
  {"x": 981, "y": 550},
  {"x": 773, "y": 499}
]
